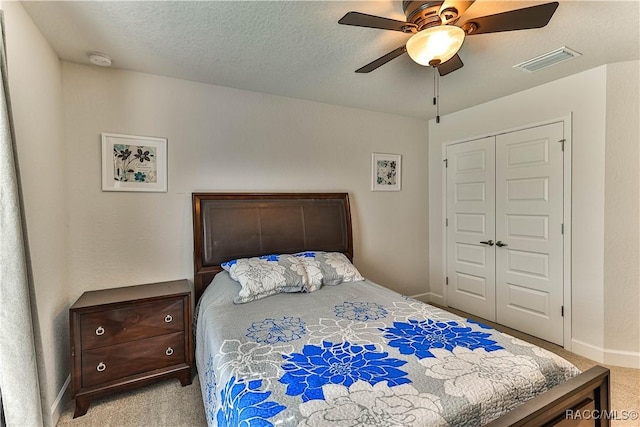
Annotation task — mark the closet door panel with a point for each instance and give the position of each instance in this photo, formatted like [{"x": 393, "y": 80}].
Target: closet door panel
[
  {"x": 471, "y": 220},
  {"x": 529, "y": 215}
]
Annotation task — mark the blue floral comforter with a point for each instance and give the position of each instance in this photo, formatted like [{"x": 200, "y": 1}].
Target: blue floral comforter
[{"x": 358, "y": 354}]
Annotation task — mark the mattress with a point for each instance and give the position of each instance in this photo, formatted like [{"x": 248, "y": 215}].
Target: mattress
[{"x": 358, "y": 354}]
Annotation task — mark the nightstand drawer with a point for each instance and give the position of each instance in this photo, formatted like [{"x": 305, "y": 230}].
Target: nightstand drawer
[
  {"x": 104, "y": 364},
  {"x": 110, "y": 327}
]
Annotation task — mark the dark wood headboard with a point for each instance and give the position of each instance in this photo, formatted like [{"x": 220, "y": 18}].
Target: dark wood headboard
[{"x": 228, "y": 226}]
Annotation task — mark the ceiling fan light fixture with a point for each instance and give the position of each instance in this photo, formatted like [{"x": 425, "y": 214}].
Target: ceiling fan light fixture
[{"x": 439, "y": 43}]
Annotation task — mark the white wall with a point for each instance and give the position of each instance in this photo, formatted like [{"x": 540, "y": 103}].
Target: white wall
[
  {"x": 35, "y": 87},
  {"x": 223, "y": 139},
  {"x": 622, "y": 213},
  {"x": 585, "y": 96}
]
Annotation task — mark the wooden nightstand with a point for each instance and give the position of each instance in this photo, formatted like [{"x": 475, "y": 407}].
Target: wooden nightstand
[{"x": 127, "y": 337}]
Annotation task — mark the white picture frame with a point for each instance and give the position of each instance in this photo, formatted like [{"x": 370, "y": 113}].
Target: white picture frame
[
  {"x": 386, "y": 172},
  {"x": 134, "y": 163}
]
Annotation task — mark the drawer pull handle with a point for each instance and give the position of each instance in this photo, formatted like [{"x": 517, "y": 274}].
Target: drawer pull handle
[
  {"x": 168, "y": 318},
  {"x": 101, "y": 367},
  {"x": 169, "y": 351},
  {"x": 100, "y": 330}
]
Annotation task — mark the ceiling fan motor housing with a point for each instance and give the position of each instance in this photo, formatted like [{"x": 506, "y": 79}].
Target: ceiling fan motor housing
[{"x": 425, "y": 14}]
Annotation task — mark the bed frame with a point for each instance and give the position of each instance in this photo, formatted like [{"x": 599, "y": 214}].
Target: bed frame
[{"x": 227, "y": 226}]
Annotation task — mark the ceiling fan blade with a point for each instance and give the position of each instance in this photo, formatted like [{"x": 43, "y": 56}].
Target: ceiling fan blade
[
  {"x": 370, "y": 21},
  {"x": 382, "y": 60},
  {"x": 519, "y": 19},
  {"x": 460, "y": 6},
  {"x": 450, "y": 66}
]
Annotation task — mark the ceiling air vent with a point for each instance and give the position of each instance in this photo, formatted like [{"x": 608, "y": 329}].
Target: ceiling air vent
[{"x": 547, "y": 59}]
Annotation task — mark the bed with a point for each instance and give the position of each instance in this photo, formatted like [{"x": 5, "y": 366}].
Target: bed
[{"x": 326, "y": 346}]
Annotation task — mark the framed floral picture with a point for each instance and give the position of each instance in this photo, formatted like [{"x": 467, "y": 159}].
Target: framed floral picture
[
  {"x": 133, "y": 163},
  {"x": 386, "y": 172}
]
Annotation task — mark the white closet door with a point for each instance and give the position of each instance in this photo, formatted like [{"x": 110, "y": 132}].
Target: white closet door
[
  {"x": 471, "y": 221},
  {"x": 529, "y": 216}
]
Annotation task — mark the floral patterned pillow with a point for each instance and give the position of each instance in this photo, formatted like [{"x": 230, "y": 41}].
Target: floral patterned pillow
[
  {"x": 311, "y": 267},
  {"x": 335, "y": 267},
  {"x": 260, "y": 277}
]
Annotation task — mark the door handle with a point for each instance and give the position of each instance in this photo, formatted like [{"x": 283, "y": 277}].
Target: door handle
[
  {"x": 489, "y": 242},
  {"x": 500, "y": 244}
]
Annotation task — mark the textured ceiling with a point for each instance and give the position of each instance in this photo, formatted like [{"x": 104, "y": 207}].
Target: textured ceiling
[{"x": 297, "y": 48}]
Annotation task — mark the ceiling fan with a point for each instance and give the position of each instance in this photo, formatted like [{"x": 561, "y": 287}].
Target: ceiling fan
[{"x": 436, "y": 34}]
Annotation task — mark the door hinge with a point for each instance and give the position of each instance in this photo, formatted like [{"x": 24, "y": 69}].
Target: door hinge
[
  {"x": 446, "y": 222},
  {"x": 446, "y": 280},
  {"x": 562, "y": 311},
  {"x": 446, "y": 163},
  {"x": 562, "y": 141},
  {"x": 562, "y": 228}
]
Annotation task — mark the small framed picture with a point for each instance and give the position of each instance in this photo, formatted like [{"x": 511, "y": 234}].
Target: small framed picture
[
  {"x": 134, "y": 163},
  {"x": 386, "y": 172}
]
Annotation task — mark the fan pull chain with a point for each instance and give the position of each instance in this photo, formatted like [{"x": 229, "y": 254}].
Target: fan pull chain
[
  {"x": 434, "y": 85},
  {"x": 436, "y": 93}
]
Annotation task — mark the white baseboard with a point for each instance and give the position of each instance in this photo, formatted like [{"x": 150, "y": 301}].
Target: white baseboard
[
  {"x": 56, "y": 408},
  {"x": 437, "y": 299},
  {"x": 587, "y": 350},
  {"x": 625, "y": 359},
  {"x": 424, "y": 297},
  {"x": 429, "y": 297}
]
